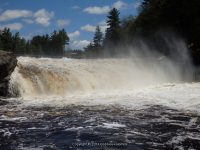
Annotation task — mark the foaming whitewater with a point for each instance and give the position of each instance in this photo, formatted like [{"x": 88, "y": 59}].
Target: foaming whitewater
[
  {"x": 64, "y": 77},
  {"x": 141, "y": 101},
  {"x": 128, "y": 82},
  {"x": 144, "y": 104}
]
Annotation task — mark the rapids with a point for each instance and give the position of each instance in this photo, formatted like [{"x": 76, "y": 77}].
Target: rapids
[
  {"x": 99, "y": 104},
  {"x": 127, "y": 82},
  {"x": 46, "y": 76}
]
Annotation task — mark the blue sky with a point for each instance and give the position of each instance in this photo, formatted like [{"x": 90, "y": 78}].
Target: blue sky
[{"x": 78, "y": 17}]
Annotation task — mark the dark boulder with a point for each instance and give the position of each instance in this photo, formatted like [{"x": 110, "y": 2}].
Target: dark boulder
[{"x": 8, "y": 62}]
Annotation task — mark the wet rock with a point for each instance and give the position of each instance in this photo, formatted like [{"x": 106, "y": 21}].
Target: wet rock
[{"x": 8, "y": 62}]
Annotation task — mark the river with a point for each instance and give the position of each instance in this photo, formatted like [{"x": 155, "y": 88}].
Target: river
[{"x": 99, "y": 104}]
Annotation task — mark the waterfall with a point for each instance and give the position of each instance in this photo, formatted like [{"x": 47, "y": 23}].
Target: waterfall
[{"x": 48, "y": 76}]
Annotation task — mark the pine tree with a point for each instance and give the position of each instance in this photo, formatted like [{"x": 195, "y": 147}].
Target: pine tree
[
  {"x": 98, "y": 36},
  {"x": 97, "y": 41},
  {"x": 19, "y": 44},
  {"x": 6, "y": 39},
  {"x": 112, "y": 37}
]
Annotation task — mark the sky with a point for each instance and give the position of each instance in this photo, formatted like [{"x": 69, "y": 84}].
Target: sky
[{"x": 78, "y": 17}]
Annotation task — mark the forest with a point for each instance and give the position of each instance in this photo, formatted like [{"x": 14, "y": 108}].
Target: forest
[
  {"x": 45, "y": 45},
  {"x": 155, "y": 18}
]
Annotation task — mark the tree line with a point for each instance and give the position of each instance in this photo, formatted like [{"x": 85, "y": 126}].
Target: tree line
[
  {"x": 181, "y": 18},
  {"x": 155, "y": 17},
  {"x": 101, "y": 46},
  {"x": 44, "y": 45}
]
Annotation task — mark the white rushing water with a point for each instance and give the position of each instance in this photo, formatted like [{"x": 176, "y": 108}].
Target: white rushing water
[{"x": 125, "y": 82}]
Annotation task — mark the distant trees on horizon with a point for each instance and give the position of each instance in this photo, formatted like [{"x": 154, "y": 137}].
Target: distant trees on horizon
[
  {"x": 172, "y": 16},
  {"x": 44, "y": 45}
]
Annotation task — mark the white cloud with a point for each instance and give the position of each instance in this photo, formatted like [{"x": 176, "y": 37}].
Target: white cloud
[
  {"x": 103, "y": 26},
  {"x": 13, "y": 26},
  {"x": 105, "y": 9},
  {"x": 43, "y": 17},
  {"x": 97, "y": 10},
  {"x": 88, "y": 28},
  {"x": 79, "y": 44},
  {"x": 63, "y": 22},
  {"x": 14, "y": 14},
  {"x": 119, "y": 5},
  {"x": 74, "y": 34}
]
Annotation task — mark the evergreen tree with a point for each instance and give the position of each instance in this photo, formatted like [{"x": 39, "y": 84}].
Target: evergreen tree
[
  {"x": 53, "y": 45},
  {"x": 19, "y": 44},
  {"x": 16, "y": 41},
  {"x": 89, "y": 50},
  {"x": 93, "y": 49},
  {"x": 98, "y": 37},
  {"x": 58, "y": 41},
  {"x": 175, "y": 16},
  {"x": 97, "y": 41},
  {"x": 36, "y": 46},
  {"x": 6, "y": 39},
  {"x": 112, "y": 37}
]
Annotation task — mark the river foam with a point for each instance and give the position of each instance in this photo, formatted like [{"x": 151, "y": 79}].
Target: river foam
[{"x": 124, "y": 82}]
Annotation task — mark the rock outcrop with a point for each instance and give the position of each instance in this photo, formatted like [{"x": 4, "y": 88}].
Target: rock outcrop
[{"x": 8, "y": 62}]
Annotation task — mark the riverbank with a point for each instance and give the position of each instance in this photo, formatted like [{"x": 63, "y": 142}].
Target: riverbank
[{"x": 8, "y": 62}]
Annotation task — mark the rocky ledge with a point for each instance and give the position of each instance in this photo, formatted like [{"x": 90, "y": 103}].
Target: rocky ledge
[{"x": 8, "y": 62}]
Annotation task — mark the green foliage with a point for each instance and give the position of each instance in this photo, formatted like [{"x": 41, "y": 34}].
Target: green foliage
[
  {"x": 127, "y": 24},
  {"x": 98, "y": 37},
  {"x": 58, "y": 41},
  {"x": 53, "y": 44},
  {"x": 6, "y": 39},
  {"x": 180, "y": 17},
  {"x": 112, "y": 36},
  {"x": 111, "y": 40},
  {"x": 94, "y": 49},
  {"x": 155, "y": 16},
  {"x": 47, "y": 45},
  {"x": 90, "y": 51},
  {"x": 19, "y": 44}
]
